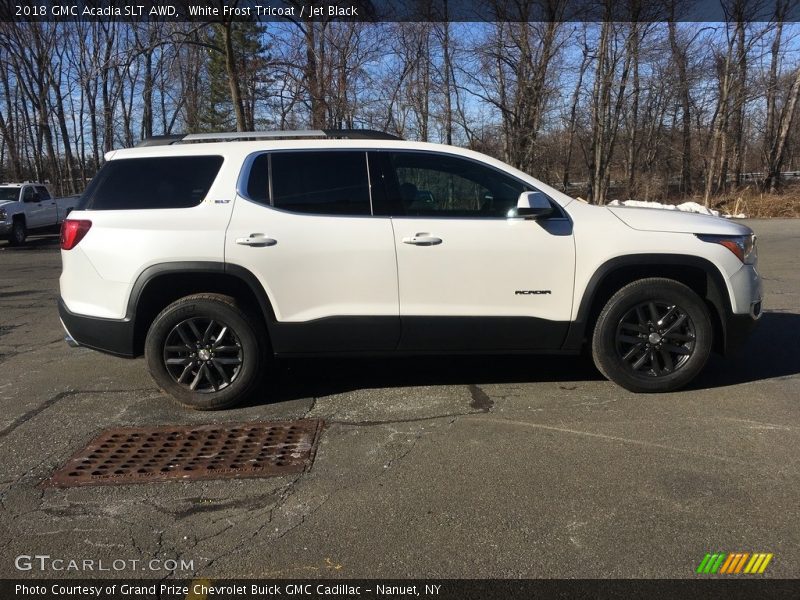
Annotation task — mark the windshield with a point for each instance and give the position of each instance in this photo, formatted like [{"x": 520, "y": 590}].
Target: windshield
[{"x": 9, "y": 193}]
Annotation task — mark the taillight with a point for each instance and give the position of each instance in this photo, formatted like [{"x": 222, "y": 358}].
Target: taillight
[{"x": 72, "y": 232}]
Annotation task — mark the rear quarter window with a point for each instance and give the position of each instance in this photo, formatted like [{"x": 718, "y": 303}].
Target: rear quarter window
[{"x": 163, "y": 182}]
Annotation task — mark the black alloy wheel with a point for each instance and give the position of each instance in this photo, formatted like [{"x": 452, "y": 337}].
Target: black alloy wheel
[
  {"x": 206, "y": 351},
  {"x": 655, "y": 338},
  {"x": 203, "y": 355},
  {"x": 653, "y": 335}
]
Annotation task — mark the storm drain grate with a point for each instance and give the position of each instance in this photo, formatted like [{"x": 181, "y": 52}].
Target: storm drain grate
[{"x": 144, "y": 454}]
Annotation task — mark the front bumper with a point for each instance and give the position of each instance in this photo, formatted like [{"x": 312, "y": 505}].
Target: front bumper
[
  {"x": 5, "y": 228},
  {"x": 747, "y": 301},
  {"x": 747, "y": 289},
  {"x": 737, "y": 329},
  {"x": 112, "y": 336}
]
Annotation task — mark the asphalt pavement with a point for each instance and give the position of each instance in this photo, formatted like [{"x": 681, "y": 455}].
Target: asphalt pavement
[{"x": 428, "y": 467}]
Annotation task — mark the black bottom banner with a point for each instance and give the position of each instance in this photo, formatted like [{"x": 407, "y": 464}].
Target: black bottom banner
[{"x": 369, "y": 589}]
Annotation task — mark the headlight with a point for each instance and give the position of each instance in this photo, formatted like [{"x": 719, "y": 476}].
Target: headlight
[{"x": 743, "y": 246}]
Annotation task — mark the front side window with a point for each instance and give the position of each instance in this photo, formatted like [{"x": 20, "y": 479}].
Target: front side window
[
  {"x": 28, "y": 194},
  {"x": 163, "y": 182},
  {"x": 428, "y": 184},
  {"x": 322, "y": 183}
]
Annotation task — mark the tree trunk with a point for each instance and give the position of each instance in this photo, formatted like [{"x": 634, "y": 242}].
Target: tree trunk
[
  {"x": 446, "y": 67},
  {"x": 777, "y": 151},
  {"x": 7, "y": 128},
  {"x": 573, "y": 117},
  {"x": 233, "y": 76},
  {"x": 680, "y": 61},
  {"x": 634, "y": 112},
  {"x": 716, "y": 175},
  {"x": 739, "y": 103}
]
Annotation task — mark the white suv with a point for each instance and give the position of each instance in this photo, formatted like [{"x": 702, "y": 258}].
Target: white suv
[{"x": 209, "y": 257}]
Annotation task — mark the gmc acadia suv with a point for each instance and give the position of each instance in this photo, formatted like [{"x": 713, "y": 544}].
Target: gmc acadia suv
[{"x": 210, "y": 257}]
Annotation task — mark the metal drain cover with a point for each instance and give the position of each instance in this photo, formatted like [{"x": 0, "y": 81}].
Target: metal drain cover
[{"x": 144, "y": 454}]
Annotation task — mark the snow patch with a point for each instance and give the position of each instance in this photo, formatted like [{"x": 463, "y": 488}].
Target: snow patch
[{"x": 692, "y": 207}]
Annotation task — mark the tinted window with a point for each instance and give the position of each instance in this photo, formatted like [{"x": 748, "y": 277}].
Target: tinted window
[
  {"x": 258, "y": 184},
  {"x": 27, "y": 194},
  {"x": 9, "y": 193},
  {"x": 166, "y": 182},
  {"x": 43, "y": 193},
  {"x": 425, "y": 184},
  {"x": 324, "y": 183}
]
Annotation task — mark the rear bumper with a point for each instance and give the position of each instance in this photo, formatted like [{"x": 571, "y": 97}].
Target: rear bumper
[{"x": 112, "y": 336}]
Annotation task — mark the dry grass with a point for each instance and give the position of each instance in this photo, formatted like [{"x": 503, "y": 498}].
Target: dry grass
[{"x": 759, "y": 205}]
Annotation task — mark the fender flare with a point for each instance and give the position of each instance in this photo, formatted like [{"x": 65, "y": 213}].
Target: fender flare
[
  {"x": 199, "y": 267},
  {"x": 717, "y": 292}
]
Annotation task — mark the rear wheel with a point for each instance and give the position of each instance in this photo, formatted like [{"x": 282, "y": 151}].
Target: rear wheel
[
  {"x": 205, "y": 351},
  {"x": 653, "y": 335},
  {"x": 18, "y": 233}
]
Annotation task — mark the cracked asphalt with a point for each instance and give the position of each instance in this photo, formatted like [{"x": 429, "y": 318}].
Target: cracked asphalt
[{"x": 428, "y": 467}]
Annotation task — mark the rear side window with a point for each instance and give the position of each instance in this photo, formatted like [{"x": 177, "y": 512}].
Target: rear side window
[
  {"x": 43, "y": 193},
  {"x": 322, "y": 183},
  {"x": 164, "y": 182}
]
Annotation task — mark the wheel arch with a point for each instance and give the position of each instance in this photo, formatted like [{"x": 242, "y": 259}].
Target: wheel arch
[
  {"x": 699, "y": 274},
  {"x": 161, "y": 284}
]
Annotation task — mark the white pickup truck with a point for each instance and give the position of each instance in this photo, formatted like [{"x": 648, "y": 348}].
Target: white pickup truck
[{"x": 29, "y": 206}]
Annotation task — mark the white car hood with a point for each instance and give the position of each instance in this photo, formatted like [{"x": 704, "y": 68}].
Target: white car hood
[
  {"x": 4, "y": 202},
  {"x": 673, "y": 221}
]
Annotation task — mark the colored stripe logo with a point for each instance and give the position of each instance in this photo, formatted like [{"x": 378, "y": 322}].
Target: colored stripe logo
[{"x": 734, "y": 563}]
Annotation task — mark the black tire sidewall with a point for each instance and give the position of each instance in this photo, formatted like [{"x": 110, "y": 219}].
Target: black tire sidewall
[
  {"x": 18, "y": 234},
  {"x": 217, "y": 309},
  {"x": 604, "y": 340}
]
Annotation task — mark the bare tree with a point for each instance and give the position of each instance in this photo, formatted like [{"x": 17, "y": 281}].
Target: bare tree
[
  {"x": 779, "y": 119},
  {"x": 612, "y": 71}
]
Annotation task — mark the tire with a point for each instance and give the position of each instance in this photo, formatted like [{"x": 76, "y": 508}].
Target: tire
[
  {"x": 18, "y": 233},
  {"x": 653, "y": 335},
  {"x": 215, "y": 351}
]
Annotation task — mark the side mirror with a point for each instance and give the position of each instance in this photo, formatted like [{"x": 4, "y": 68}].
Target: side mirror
[{"x": 532, "y": 205}]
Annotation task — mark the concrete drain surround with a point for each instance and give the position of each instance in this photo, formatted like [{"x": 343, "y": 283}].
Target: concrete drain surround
[{"x": 220, "y": 451}]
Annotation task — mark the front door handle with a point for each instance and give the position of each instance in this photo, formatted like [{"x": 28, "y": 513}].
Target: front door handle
[
  {"x": 258, "y": 240},
  {"x": 422, "y": 239}
]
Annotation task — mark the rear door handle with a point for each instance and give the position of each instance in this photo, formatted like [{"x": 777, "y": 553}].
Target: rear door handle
[
  {"x": 422, "y": 239},
  {"x": 258, "y": 240}
]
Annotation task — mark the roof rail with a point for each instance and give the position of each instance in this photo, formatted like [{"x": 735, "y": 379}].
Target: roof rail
[
  {"x": 360, "y": 134},
  {"x": 159, "y": 140},
  {"x": 352, "y": 134}
]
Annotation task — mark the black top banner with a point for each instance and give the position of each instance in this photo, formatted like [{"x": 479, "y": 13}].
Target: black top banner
[{"x": 400, "y": 10}]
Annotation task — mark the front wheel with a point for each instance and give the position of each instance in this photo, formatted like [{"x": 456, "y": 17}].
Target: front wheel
[
  {"x": 204, "y": 351},
  {"x": 18, "y": 233},
  {"x": 653, "y": 335}
]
